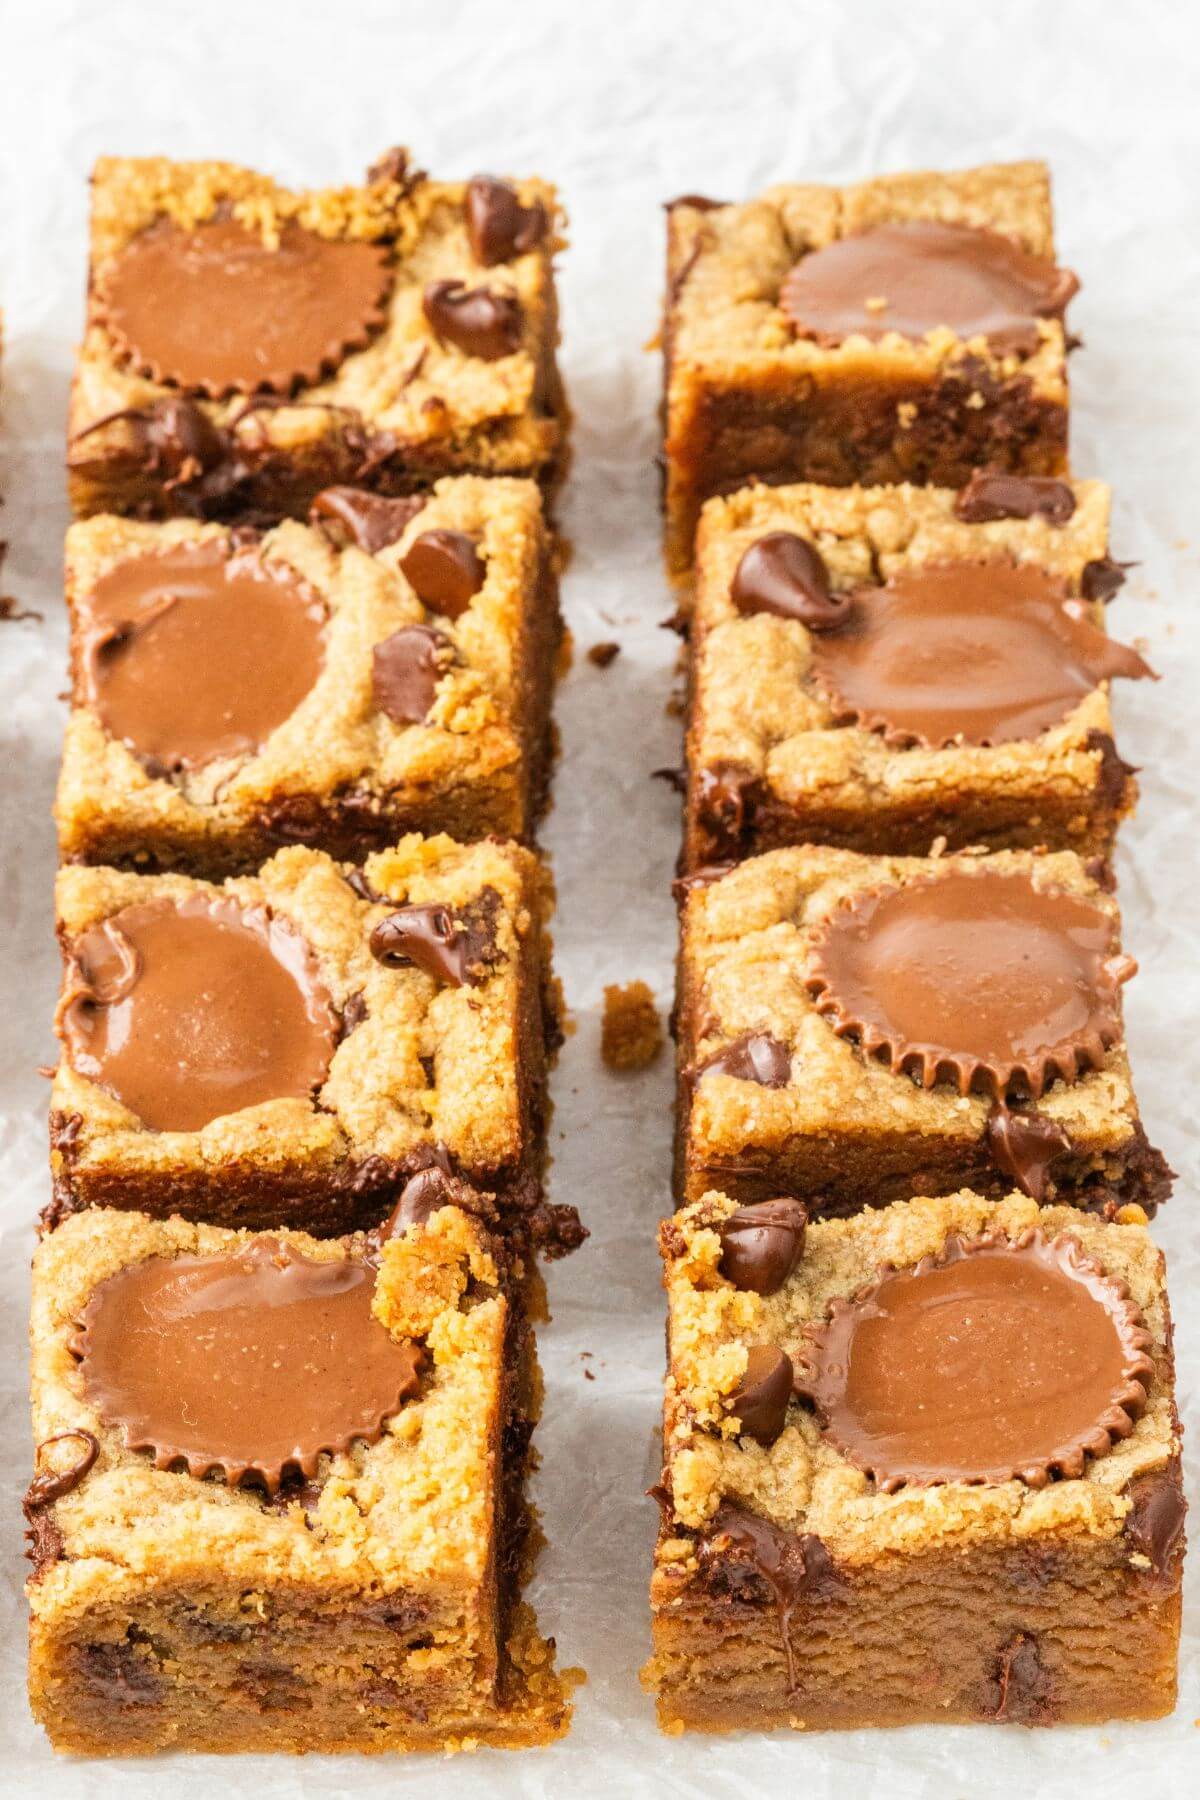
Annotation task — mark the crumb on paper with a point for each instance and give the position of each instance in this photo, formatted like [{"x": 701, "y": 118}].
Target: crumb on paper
[
  {"x": 603, "y": 654},
  {"x": 631, "y": 1034},
  {"x": 566, "y": 655}
]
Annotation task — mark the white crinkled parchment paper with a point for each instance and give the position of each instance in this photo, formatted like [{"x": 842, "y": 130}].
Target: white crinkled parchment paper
[{"x": 624, "y": 106}]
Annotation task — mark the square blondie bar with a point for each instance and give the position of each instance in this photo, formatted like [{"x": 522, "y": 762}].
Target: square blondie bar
[
  {"x": 388, "y": 669},
  {"x": 876, "y": 668},
  {"x": 903, "y": 329},
  {"x": 854, "y": 1030},
  {"x": 247, "y": 346},
  {"x": 921, "y": 1465},
  {"x": 279, "y": 1501},
  {"x": 291, "y": 1048}
]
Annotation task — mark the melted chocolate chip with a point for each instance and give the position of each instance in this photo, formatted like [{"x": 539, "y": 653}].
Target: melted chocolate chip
[
  {"x": 1154, "y": 1525},
  {"x": 406, "y": 669},
  {"x": 785, "y": 574},
  {"x": 475, "y": 320},
  {"x": 1023, "y": 1145},
  {"x": 315, "y": 1371},
  {"x": 219, "y": 310},
  {"x": 1023, "y": 1690},
  {"x": 190, "y": 1011},
  {"x": 761, "y": 1245},
  {"x": 422, "y": 1195},
  {"x": 702, "y": 877},
  {"x": 357, "y": 516},
  {"x": 199, "y": 464},
  {"x": 51, "y": 1484},
  {"x": 190, "y": 655},
  {"x": 445, "y": 571},
  {"x": 742, "y": 1549},
  {"x": 914, "y": 276},
  {"x": 988, "y": 1362},
  {"x": 992, "y": 495},
  {"x": 498, "y": 226},
  {"x": 760, "y": 1400},
  {"x": 755, "y": 1056},
  {"x": 1102, "y": 578},
  {"x": 724, "y": 800},
  {"x": 455, "y": 947}
]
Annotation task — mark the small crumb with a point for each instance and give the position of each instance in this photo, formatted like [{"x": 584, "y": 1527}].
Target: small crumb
[
  {"x": 588, "y": 1376},
  {"x": 11, "y": 610},
  {"x": 603, "y": 654},
  {"x": 566, "y": 655},
  {"x": 976, "y": 401},
  {"x": 906, "y": 412},
  {"x": 1132, "y": 1215},
  {"x": 876, "y": 303},
  {"x": 631, "y": 1034}
]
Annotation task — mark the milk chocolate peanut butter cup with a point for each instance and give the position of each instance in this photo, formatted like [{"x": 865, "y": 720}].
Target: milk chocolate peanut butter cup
[
  {"x": 976, "y": 653},
  {"x": 250, "y": 1365},
  {"x": 991, "y": 1361},
  {"x": 974, "y": 977},
  {"x": 187, "y": 1011},
  {"x": 219, "y": 309},
  {"x": 911, "y": 277},
  {"x": 194, "y": 654}
]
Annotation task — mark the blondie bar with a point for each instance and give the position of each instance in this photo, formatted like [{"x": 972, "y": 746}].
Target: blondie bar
[
  {"x": 904, "y": 329},
  {"x": 854, "y": 1030},
  {"x": 290, "y": 1048},
  {"x": 247, "y": 346},
  {"x": 921, "y": 1465},
  {"x": 388, "y": 669},
  {"x": 879, "y": 667},
  {"x": 279, "y": 1501}
]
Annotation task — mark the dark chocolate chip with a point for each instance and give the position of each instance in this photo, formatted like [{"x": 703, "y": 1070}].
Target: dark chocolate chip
[
  {"x": 724, "y": 798},
  {"x": 1154, "y": 1525},
  {"x": 423, "y": 1195},
  {"x": 427, "y": 936},
  {"x": 1023, "y": 1692},
  {"x": 1023, "y": 1145},
  {"x": 991, "y": 495},
  {"x": 498, "y": 226},
  {"x": 52, "y": 1484},
  {"x": 1102, "y": 578},
  {"x": 474, "y": 320},
  {"x": 744, "y": 1553},
  {"x": 405, "y": 671},
  {"x": 785, "y": 574},
  {"x": 755, "y": 1056},
  {"x": 762, "y": 1244},
  {"x": 760, "y": 1400},
  {"x": 445, "y": 571},
  {"x": 369, "y": 520},
  {"x": 702, "y": 877}
]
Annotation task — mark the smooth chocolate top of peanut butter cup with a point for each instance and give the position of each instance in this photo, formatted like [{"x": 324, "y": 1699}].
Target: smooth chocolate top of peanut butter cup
[
  {"x": 976, "y": 653},
  {"x": 974, "y": 977},
  {"x": 991, "y": 1361},
  {"x": 250, "y": 1364},
  {"x": 189, "y": 1010},
  {"x": 218, "y": 310},
  {"x": 914, "y": 276},
  {"x": 192, "y": 654}
]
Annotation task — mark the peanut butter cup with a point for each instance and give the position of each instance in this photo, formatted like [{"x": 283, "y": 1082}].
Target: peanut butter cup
[
  {"x": 188, "y": 1011},
  {"x": 219, "y": 310},
  {"x": 191, "y": 654},
  {"x": 976, "y": 653},
  {"x": 251, "y": 1364},
  {"x": 989, "y": 1362},
  {"x": 974, "y": 977},
  {"x": 913, "y": 276}
]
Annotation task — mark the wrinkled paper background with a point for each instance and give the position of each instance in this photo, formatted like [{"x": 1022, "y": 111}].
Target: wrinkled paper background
[{"x": 625, "y": 105}]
